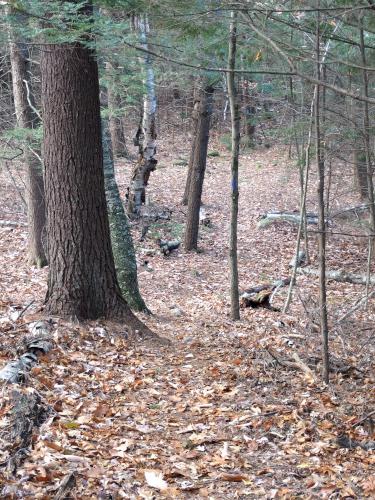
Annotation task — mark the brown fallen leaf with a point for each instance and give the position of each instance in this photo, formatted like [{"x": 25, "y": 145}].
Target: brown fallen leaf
[{"x": 234, "y": 478}]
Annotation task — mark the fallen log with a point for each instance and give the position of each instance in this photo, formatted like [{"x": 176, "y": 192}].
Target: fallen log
[
  {"x": 296, "y": 363},
  {"x": 10, "y": 223},
  {"x": 291, "y": 217},
  {"x": 166, "y": 247},
  {"x": 347, "y": 212},
  {"x": 262, "y": 295},
  {"x": 27, "y": 410},
  {"x": 38, "y": 342},
  {"x": 340, "y": 276},
  {"x": 28, "y": 413}
]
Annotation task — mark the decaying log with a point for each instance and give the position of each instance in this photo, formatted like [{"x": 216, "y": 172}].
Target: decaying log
[
  {"x": 66, "y": 485},
  {"x": 204, "y": 217},
  {"x": 341, "y": 276},
  {"x": 300, "y": 260},
  {"x": 262, "y": 295},
  {"x": 295, "y": 363},
  {"x": 28, "y": 411},
  {"x": 27, "y": 414},
  {"x": 153, "y": 213},
  {"x": 38, "y": 342},
  {"x": 291, "y": 217},
  {"x": 166, "y": 247},
  {"x": 344, "y": 441},
  {"x": 347, "y": 212},
  {"x": 10, "y": 223}
]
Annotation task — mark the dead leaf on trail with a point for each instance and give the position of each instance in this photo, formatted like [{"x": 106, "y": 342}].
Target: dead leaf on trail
[
  {"x": 234, "y": 478},
  {"x": 154, "y": 478}
]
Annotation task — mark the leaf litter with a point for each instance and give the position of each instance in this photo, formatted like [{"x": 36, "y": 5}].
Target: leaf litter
[{"x": 213, "y": 415}]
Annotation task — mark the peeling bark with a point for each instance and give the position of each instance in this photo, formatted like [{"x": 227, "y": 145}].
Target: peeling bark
[
  {"x": 28, "y": 411},
  {"x": 146, "y": 134}
]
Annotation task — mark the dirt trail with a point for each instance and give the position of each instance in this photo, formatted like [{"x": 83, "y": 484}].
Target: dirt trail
[{"x": 212, "y": 413}]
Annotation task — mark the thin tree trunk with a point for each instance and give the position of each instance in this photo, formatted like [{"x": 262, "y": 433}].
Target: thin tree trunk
[
  {"x": 146, "y": 136},
  {"x": 28, "y": 119},
  {"x": 199, "y": 168},
  {"x": 82, "y": 279},
  {"x": 235, "y": 119},
  {"x": 121, "y": 238},
  {"x": 360, "y": 173},
  {"x": 321, "y": 213},
  {"x": 185, "y": 198},
  {"x": 369, "y": 170},
  {"x": 115, "y": 122},
  {"x": 304, "y": 179}
]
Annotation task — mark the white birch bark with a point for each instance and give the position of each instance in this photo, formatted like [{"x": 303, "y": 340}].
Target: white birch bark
[{"x": 146, "y": 136}]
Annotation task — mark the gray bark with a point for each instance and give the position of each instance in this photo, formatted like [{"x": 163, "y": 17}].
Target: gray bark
[
  {"x": 340, "y": 276},
  {"x": 235, "y": 120},
  {"x": 28, "y": 119},
  {"x": 121, "y": 238}
]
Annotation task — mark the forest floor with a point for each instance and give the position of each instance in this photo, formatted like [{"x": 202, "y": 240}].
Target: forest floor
[{"x": 213, "y": 415}]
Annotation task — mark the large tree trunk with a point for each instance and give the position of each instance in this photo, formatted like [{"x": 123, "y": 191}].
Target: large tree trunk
[
  {"x": 146, "y": 135},
  {"x": 199, "y": 167},
  {"x": 121, "y": 238},
  {"x": 28, "y": 119},
  {"x": 82, "y": 279}
]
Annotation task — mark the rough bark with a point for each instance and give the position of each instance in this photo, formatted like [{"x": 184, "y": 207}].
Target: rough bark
[
  {"x": 250, "y": 112},
  {"x": 146, "y": 135},
  {"x": 199, "y": 167},
  {"x": 121, "y": 238},
  {"x": 360, "y": 174},
  {"x": 28, "y": 119},
  {"x": 235, "y": 121},
  {"x": 321, "y": 211},
  {"x": 82, "y": 279},
  {"x": 185, "y": 197}
]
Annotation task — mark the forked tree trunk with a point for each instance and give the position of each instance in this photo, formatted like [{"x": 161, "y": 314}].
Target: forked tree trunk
[
  {"x": 121, "y": 238},
  {"x": 199, "y": 168},
  {"x": 82, "y": 279},
  {"x": 28, "y": 119},
  {"x": 146, "y": 135}
]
